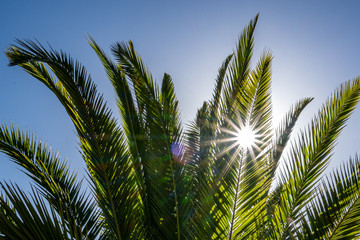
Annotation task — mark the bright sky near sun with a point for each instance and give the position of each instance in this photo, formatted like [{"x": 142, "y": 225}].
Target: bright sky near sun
[{"x": 315, "y": 46}]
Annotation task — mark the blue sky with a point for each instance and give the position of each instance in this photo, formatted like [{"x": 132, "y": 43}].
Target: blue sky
[{"x": 315, "y": 46}]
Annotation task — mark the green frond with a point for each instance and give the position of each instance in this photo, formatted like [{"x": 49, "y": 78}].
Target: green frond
[
  {"x": 283, "y": 133},
  {"x": 101, "y": 140},
  {"x": 200, "y": 146},
  {"x": 53, "y": 177},
  {"x": 24, "y": 218},
  {"x": 152, "y": 180},
  {"x": 335, "y": 213},
  {"x": 130, "y": 117},
  {"x": 250, "y": 173},
  {"x": 145, "y": 88},
  {"x": 284, "y": 130},
  {"x": 163, "y": 160},
  {"x": 311, "y": 155},
  {"x": 240, "y": 66},
  {"x": 281, "y": 138},
  {"x": 134, "y": 127},
  {"x": 154, "y": 132},
  {"x": 216, "y": 98},
  {"x": 260, "y": 112}
]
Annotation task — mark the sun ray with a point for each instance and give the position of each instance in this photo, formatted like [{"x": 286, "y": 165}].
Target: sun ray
[
  {"x": 226, "y": 169},
  {"x": 220, "y": 154}
]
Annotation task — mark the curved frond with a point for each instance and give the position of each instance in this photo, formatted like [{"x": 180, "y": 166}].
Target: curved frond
[
  {"x": 283, "y": 132},
  {"x": 220, "y": 79},
  {"x": 220, "y": 179},
  {"x": 53, "y": 177},
  {"x": 335, "y": 213},
  {"x": 253, "y": 173},
  {"x": 281, "y": 138},
  {"x": 24, "y": 218},
  {"x": 101, "y": 140},
  {"x": 311, "y": 156},
  {"x": 240, "y": 66}
]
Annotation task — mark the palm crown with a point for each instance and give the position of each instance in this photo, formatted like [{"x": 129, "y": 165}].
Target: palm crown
[{"x": 150, "y": 179}]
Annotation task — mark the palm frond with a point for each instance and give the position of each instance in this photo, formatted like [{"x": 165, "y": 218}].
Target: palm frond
[
  {"x": 101, "y": 140},
  {"x": 151, "y": 180},
  {"x": 335, "y": 213},
  {"x": 216, "y": 97},
  {"x": 310, "y": 157},
  {"x": 252, "y": 173},
  {"x": 284, "y": 130},
  {"x": 144, "y": 86},
  {"x": 154, "y": 132},
  {"x": 54, "y": 179},
  {"x": 201, "y": 140},
  {"x": 240, "y": 66},
  {"x": 22, "y": 218},
  {"x": 282, "y": 136}
]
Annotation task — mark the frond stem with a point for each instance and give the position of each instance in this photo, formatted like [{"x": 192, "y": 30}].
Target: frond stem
[
  {"x": 344, "y": 217},
  {"x": 235, "y": 199}
]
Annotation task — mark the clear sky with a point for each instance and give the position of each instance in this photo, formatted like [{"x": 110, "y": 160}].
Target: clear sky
[{"x": 315, "y": 45}]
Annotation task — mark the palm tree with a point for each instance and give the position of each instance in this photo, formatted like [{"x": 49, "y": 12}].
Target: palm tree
[{"x": 150, "y": 179}]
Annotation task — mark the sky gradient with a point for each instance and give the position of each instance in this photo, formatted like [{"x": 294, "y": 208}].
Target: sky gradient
[{"x": 315, "y": 46}]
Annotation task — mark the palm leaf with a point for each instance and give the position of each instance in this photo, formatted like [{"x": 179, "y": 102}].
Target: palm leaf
[
  {"x": 54, "y": 179},
  {"x": 102, "y": 142},
  {"x": 252, "y": 173},
  {"x": 282, "y": 136},
  {"x": 30, "y": 219},
  {"x": 240, "y": 66},
  {"x": 335, "y": 213},
  {"x": 283, "y": 132},
  {"x": 311, "y": 156},
  {"x": 152, "y": 181},
  {"x": 216, "y": 98}
]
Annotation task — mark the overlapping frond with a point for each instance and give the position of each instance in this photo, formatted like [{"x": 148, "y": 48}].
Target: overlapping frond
[
  {"x": 218, "y": 90},
  {"x": 151, "y": 180},
  {"x": 54, "y": 179},
  {"x": 24, "y": 218},
  {"x": 240, "y": 66},
  {"x": 227, "y": 175},
  {"x": 152, "y": 124},
  {"x": 277, "y": 147},
  {"x": 252, "y": 173},
  {"x": 101, "y": 140},
  {"x": 311, "y": 155},
  {"x": 284, "y": 130},
  {"x": 335, "y": 212}
]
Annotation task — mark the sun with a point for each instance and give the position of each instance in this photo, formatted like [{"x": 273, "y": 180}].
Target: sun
[
  {"x": 242, "y": 136},
  {"x": 245, "y": 137}
]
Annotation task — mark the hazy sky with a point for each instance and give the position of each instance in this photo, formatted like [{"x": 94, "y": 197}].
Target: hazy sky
[{"x": 315, "y": 44}]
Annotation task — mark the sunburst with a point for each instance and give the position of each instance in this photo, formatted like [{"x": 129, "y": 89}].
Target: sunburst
[
  {"x": 246, "y": 137},
  {"x": 243, "y": 136},
  {"x": 241, "y": 139}
]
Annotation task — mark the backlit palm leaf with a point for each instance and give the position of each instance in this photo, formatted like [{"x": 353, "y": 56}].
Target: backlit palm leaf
[
  {"x": 151, "y": 180},
  {"x": 101, "y": 140},
  {"x": 335, "y": 213},
  {"x": 54, "y": 179},
  {"x": 24, "y": 218},
  {"x": 311, "y": 155}
]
